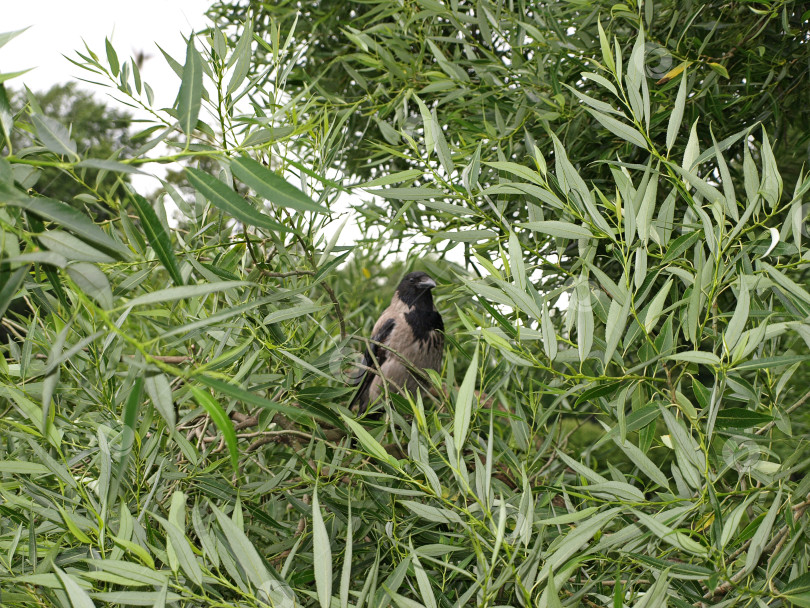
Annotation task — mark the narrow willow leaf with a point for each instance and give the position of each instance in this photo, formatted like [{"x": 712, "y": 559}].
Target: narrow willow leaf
[
  {"x": 6, "y": 115},
  {"x": 549, "y": 333},
  {"x": 640, "y": 459},
  {"x": 221, "y": 420},
  {"x": 37, "y": 257},
  {"x": 750, "y": 178},
  {"x": 733, "y": 522},
  {"x": 739, "y": 318},
  {"x": 92, "y": 282},
  {"x": 270, "y": 186},
  {"x": 160, "y": 392},
  {"x": 442, "y": 149},
  {"x": 78, "y": 597},
  {"x": 676, "y": 116},
  {"x": 54, "y": 136},
  {"x": 7, "y": 37},
  {"x": 369, "y": 443},
  {"x": 656, "y": 306},
  {"x": 620, "y": 129},
  {"x": 616, "y": 323},
  {"x": 563, "y": 230},
  {"x": 112, "y": 57},
  {"x": 225, "y": 199},
  {"x": 519, "y": 170},
  {"x": 171, "y": 294},
  {"x": 182, "y": 549},
  {"x": 607, "y": 56},
  {"x": 434, "y": 514},
  {"x": 786, "y": 283},
  {"x": 189, "y": 97},
  {"x": 516, "y": 262},
  {"x": 696, "y": 356},
  {"x": 464, "y": 404},
  {"x": 346, "y": 574},
  {"x": 423, "y": 582},
  {"x": 668, "y": 535},
  {"x": 763, "y": 533},
  {"x": 322, "y": 554},
  {"x": 73, "y": 248},
  {"x": 157, "y": 237},
  {"x": 647, "y": 209},
  {"x": 656, "y": 596},
  {"x": 392, "y": 178},
  {"x": 66, "y": 217},
  {"x": 728, "y": 184},
  {"x": 585, "y": 321},
  {"x": 577, "y": 538},
  {"x": 244, "y": 552},
  {"x": 771, "y": 187},
  {"x": 241, "y": 57}
]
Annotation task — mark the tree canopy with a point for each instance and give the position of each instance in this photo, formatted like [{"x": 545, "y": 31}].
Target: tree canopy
[{"x": 611, "y": 197}]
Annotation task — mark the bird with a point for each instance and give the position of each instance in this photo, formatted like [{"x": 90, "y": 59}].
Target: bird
[{"x": 406, "y": 339}]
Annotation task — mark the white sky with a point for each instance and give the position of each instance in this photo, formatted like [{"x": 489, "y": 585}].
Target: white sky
[{"x": 57, "y": 28}]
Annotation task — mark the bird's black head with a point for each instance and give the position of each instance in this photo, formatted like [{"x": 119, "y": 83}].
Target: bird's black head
[{"x": 414, "y": 289}]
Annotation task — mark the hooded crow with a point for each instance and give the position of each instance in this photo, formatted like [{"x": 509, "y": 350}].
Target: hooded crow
[{"x": 406, "y": 339}]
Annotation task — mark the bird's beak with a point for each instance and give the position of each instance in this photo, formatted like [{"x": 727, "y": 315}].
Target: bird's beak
[{"x": 427, "y": 283}]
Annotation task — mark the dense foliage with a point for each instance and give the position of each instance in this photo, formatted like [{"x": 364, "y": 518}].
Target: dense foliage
[{"x": 619, "y": 420}]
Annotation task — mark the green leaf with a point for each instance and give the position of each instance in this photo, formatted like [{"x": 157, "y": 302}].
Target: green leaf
[
  {"x": 72, "y": 248},
  {"x": 620, "y": 129},
  {"x": 6, "y": 115},
  {"x": 157, "y": 237},
  {"x": 696, "y": 356},
  {"x": 346, "y": 573},
  {"x": 739, "y": 318},
  {"x": 7, "y": 37},
  {"x": 189, "y": 97},
  {"x": 563, "y": 230},
  {"x": 768, "y": 362},
  {"x": 92, "y": 282},
  {"x": 392, "y": 178},
  {"x": 797, "y": 590},
  {"x": 241, "y": 57},
  {"x": 67, "y": 217},
  {"x": 667, "y": 534},
  {"x": 676, "y": 116},
  {"x": 225, "y": 199},
  {"x": 186, "y": 291},
  {"x": 112, "y": 57},
  {"x": 322, "y": 554},
  {"x": 11, "y": 283},
  {"x": 787, "y": 284},
  {"x": 464, "y": 404},
  {"x": 371, "y": 445},
  {"x": 22, "y": 467},
  {"x": 54, "y": 136},
  {"x": 762, "y": 535},
  {"x": 271, "y": 186},
  {"x": 78, "y": 597},
  {"x": 740, "y": 418},
  {"x": 221, "y": 419},
  {"x": 657, "y": 304},
  {"x": 181, "y": 547},
  {"x": 434, "y": 514}
]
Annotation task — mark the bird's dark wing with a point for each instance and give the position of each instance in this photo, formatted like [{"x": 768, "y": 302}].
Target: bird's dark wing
[{"x": 373, "y": 358}]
